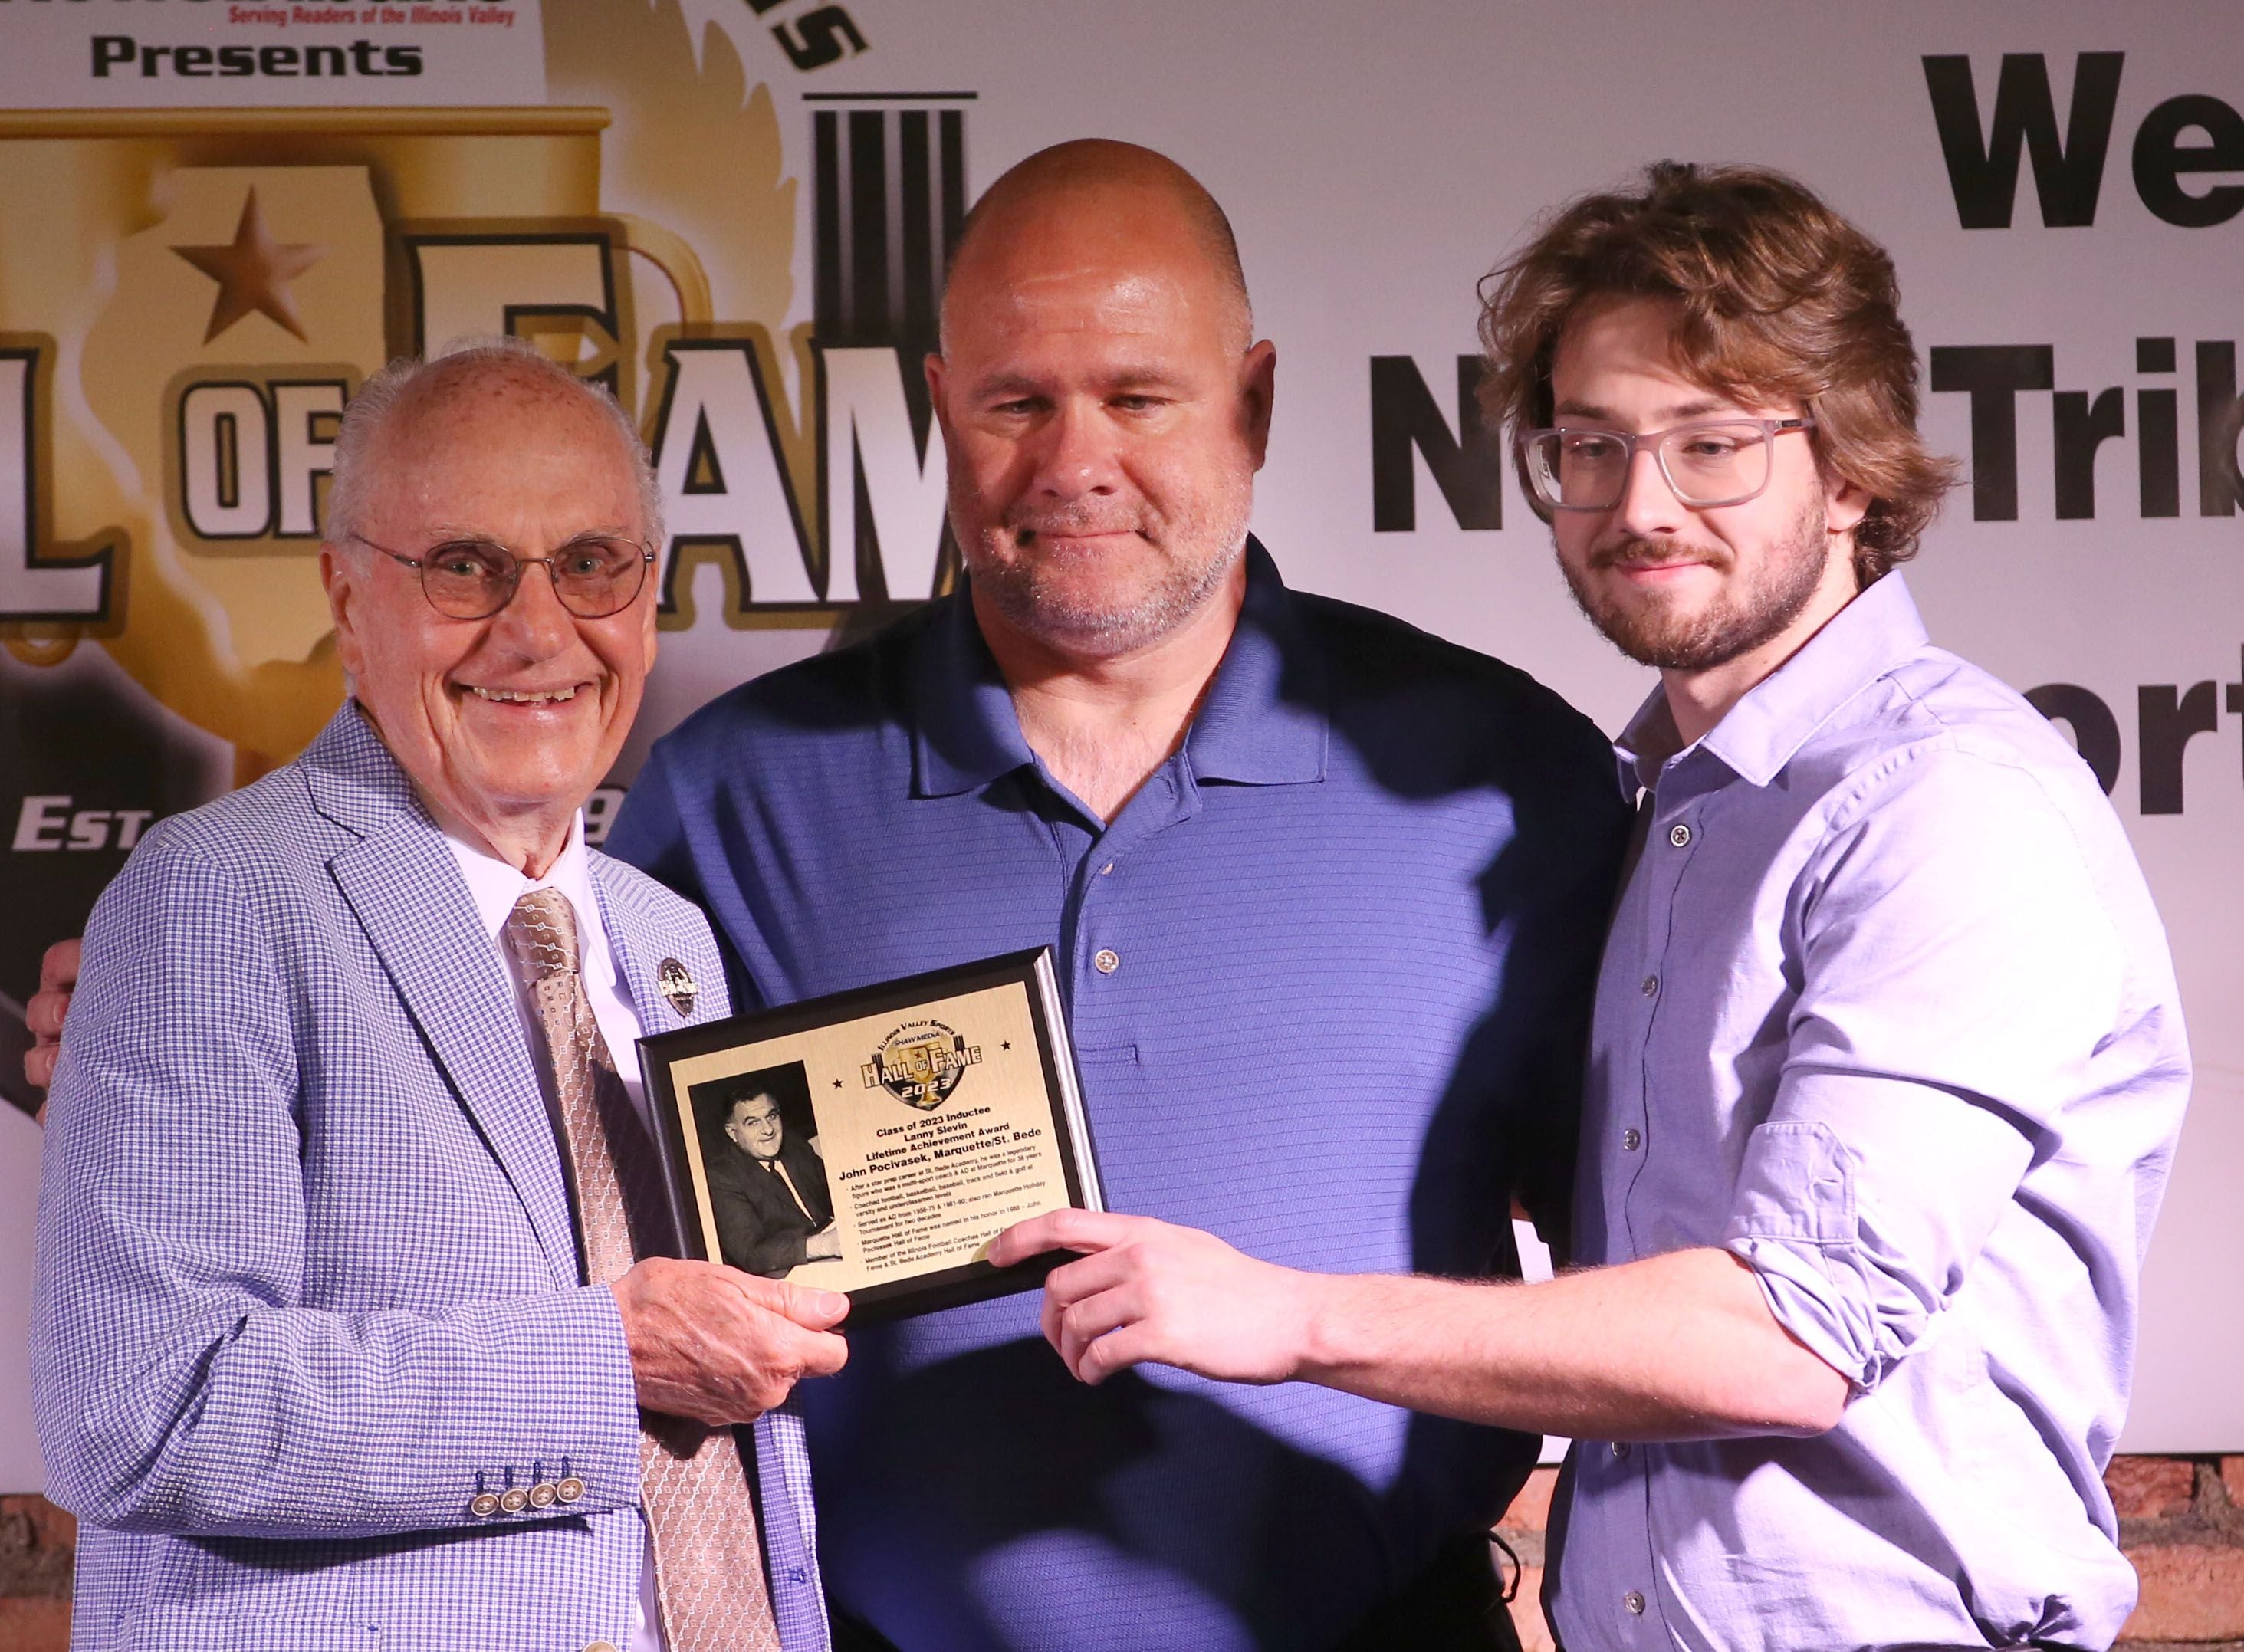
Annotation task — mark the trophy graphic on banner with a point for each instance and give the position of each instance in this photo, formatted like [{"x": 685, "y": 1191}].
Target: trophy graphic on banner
[
  {"x": 189, "y": 297},
  {"x": 221, "y": 283}
]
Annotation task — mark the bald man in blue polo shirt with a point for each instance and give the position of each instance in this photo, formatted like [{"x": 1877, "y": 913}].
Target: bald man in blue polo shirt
[{"x": 1326, "y": 894}]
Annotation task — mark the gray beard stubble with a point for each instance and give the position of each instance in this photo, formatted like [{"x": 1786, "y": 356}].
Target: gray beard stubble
[{"x": 1038, "y": 605}]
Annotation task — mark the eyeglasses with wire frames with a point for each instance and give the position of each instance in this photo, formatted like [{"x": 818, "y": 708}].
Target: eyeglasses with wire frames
[
  {"x": 1708, "y": 463},
  {"x": 593, "y": 576}
]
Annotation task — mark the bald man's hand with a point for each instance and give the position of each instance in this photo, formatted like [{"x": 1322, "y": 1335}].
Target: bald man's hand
[
  {"x": 719, "y": 1346},
  {"x": 44, "y": 1015}
]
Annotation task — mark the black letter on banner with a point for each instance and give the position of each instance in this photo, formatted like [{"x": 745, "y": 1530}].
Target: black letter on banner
[
  {"x": 2167, "y": 720},
  {"x": 2157, "y": 448},
  {"x": 2161, "y": 161},
  {"x": 2231, "y": 696},
  {"x": 2219, "y": 421},
  {"x": 1466, "y": 468},
  {"x": 2067, "y": 176},
  {"x": 1992, "y": 374},
  {"x": 2095, "y": 731},
  {"x": 41, "y": 577},
  {"x": 2082, "y": 427},
  {"x": 821, "y": 43}
]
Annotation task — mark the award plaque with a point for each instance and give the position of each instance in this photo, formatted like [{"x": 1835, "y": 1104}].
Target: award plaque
[{"x": 874, "y": 1141}]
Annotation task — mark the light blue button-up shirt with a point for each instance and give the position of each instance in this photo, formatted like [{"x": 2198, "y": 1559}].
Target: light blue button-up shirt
[{"x": 1887, "y": 1012}]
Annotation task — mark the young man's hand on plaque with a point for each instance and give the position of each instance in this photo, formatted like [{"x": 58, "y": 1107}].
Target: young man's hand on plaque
[{"x": 1150, "y": 1291}]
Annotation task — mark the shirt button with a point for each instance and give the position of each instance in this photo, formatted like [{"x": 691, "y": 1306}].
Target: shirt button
[
  {"x": 1651, "y": 985},
  {"x": 1106, "y": 961},
  {"x": 1634, "y": 1602},
  {"x": 1620, "y": 1450},
  {"x": 1106, "y": 870},
  {"x": 1680, "y": 835},
  {"x": 1631, "y": 1140}
]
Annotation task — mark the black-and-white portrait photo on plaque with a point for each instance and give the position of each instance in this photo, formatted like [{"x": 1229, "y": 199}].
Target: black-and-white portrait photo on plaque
[
  {"x": 767, "y": 1187},
  {"x": 874, "y": 1141}
]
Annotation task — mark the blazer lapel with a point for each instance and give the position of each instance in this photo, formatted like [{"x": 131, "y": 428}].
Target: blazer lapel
[
  {"x": 646, "y": 926},
  {"x": 403, "y": 884},
  {"x": 644, "y": 932}
]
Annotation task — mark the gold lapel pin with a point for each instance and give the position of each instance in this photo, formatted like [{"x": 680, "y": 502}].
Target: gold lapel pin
[{"x": 677, "y": 986}]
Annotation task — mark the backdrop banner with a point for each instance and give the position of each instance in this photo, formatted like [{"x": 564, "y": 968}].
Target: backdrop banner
[{"x": 219, "y": 217}]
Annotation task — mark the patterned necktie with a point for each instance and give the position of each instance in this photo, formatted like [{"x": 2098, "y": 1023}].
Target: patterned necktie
[{"x": 709, "y": 1560}]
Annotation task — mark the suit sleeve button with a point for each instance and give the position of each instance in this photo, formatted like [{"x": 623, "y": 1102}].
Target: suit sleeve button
[
  {"x": 543, "y": 1494},
  {"x": 484, "y": 1506},
  {"x": 569, "y": 1489},
  {"x": 514, "y": 1500}
]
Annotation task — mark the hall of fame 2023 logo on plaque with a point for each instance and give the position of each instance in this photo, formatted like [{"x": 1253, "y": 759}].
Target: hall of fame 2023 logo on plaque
[{"x": 921, "y": 1064}]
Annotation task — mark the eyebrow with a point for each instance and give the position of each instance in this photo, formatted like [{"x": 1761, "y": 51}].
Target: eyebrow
[
  {"x": 1143, "y": 377},
  {"x": 1007, "y": 384},
  {"x": 462, "y": 536},
  {"x": 1129, "y": 376},
  {"x": 1672, "y": 413}
]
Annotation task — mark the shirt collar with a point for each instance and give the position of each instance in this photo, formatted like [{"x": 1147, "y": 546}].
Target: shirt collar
[
  {"x": 1758, "y": 735},
  {"x": 966, "y": 732},
  {"x": 1262, "y": 724},
  {"x": 495, "y": 885}
]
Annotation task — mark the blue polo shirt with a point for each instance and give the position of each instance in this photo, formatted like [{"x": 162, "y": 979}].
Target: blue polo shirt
[{"x": 1329, "y": 975}]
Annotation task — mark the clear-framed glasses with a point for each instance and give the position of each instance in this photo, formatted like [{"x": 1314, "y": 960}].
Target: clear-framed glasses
[
  {"x": 594, "y": 575},
  {"x": 1721, "y": 461}
]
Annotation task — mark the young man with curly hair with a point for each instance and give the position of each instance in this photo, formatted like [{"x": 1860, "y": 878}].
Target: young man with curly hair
[{"x": 1887, "y": 1063}]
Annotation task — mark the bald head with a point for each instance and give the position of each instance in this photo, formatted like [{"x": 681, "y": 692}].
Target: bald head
[
  {"x": 456, "y": 381},
  {"x": 1097, "y": 198}
]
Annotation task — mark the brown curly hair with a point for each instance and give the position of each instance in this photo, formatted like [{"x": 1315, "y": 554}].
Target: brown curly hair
[{"x": 1777, "y": 300}]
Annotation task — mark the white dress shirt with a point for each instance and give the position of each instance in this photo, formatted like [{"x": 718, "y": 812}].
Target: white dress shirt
[{"x": 494, "y": 886}]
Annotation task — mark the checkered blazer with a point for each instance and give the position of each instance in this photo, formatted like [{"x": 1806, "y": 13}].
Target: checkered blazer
[{"x": 307, "y": 1278}]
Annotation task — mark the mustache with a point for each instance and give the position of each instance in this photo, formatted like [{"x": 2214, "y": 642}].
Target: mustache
[{"x": 1663, "y": 552}]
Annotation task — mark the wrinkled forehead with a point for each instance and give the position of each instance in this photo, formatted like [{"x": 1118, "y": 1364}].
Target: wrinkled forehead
[
  {"x": 490, "y": 411},
  {"x": 503, "y": 459}
]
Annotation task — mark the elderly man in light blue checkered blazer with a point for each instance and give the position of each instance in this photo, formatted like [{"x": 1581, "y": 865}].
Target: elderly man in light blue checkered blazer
[{"x": 353, "y": 1325}]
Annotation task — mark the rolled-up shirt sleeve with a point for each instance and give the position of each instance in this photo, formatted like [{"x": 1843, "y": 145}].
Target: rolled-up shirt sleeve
[{"x": 1957, "y": 971}]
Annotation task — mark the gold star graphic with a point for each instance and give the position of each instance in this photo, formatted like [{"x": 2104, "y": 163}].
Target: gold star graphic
[{"x": 252, "y": 274}]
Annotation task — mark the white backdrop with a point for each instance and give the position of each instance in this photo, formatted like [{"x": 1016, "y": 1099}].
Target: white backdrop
[{"x": 1376, "y": 161}]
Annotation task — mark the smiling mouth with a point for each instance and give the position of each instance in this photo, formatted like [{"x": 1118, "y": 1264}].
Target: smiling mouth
[{"x": 524, "y": 697}]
